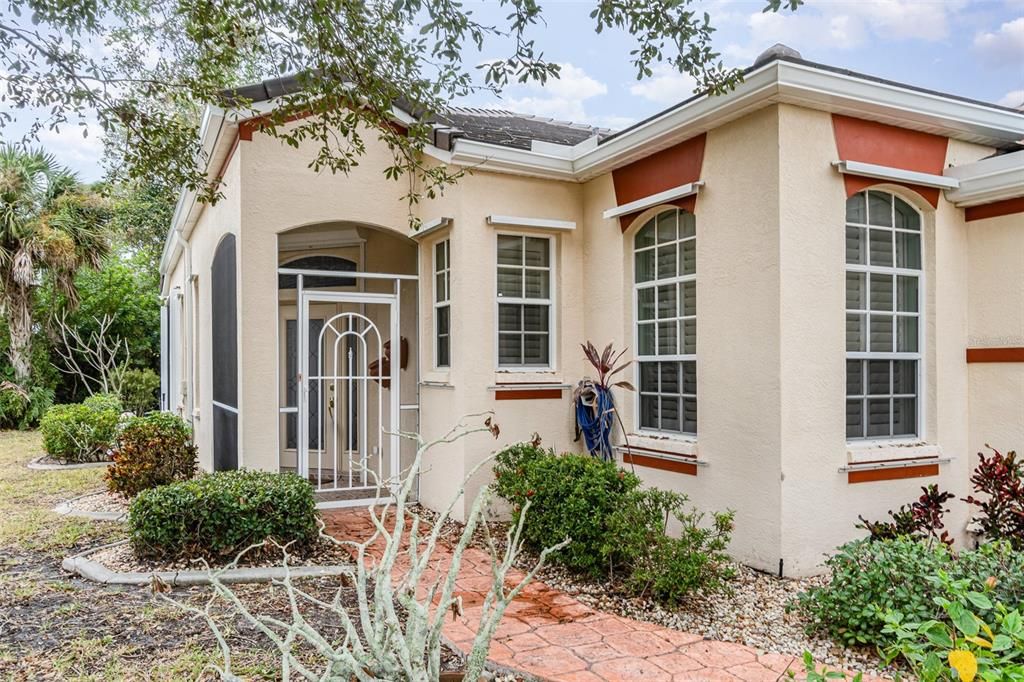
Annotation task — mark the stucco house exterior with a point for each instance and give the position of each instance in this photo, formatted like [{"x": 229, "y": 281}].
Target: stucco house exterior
[{"x": 818, "y": 274}]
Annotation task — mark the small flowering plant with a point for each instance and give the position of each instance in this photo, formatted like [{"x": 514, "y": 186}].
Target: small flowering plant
[{"x": 983, "y": 639}]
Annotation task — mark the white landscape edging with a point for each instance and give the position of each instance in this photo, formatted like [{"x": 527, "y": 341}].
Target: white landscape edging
[
  {"x": 67, "y": 509},
  {"x": 82, "y": 565},
  {"x": 37, "y": 464}
]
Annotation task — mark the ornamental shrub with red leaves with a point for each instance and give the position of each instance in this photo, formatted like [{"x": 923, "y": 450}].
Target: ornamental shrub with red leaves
[
  {"x": 919, "y": 520},
  {"x": 999, "y": 479}
]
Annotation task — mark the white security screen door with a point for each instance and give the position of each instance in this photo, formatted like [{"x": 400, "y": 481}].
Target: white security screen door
[{"x": 349, "y": 397}]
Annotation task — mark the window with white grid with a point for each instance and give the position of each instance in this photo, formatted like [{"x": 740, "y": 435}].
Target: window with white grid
[
  {"x": 883, "y": 316},
  {"x": 442, "y": 304},
  {"x": 665, "y": 290},
  {"x": 524, "y": 300}
]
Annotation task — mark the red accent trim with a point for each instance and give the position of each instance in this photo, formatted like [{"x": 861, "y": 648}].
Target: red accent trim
[
  {"x": 894, "y": 474},
  {"x": 672, "y": 167},
  {"x": 530, "y": 394},
  {"x": 995, "y": 209},
  {"x": 1010, "y": 354},
  {"x": 675, "y": 465},
  {"x": 885, "y": 145}
]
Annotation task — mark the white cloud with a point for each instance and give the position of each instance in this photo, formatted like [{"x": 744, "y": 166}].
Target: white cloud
[
  {"x": 666, "y": 86},
  {"x": 1004, "y": 46},
  {"x": 845, "y": 24},
  {"x": 1014, "y": 98},
  {"x": 560, "y": 98},
  {"x": 80, "y": 148}
]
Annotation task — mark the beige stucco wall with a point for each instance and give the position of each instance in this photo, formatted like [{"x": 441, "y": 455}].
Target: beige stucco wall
[
  {"x": 215, "y": 221},
  {"x": 995, "y": 248}
]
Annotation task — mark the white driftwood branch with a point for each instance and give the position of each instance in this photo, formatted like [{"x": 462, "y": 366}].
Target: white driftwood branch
[
  {"x": 107, "y": 356},
  {"x": 396, "y": 630}
]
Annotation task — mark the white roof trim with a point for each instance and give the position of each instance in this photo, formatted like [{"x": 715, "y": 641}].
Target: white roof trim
[
  {"x": 430, "y": 226},
  {"x": 679, "y": 192},
  {"x": 992, "y": 179},
  {"x": 871, "y": 170},
  {"x": 542, "y": 223}
]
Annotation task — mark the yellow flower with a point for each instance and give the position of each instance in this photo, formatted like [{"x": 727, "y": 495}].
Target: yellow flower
[{"x": 965, "y": 664}]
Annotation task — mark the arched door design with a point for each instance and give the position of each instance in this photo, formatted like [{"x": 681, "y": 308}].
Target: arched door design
[{"x": 224, "y": 351}]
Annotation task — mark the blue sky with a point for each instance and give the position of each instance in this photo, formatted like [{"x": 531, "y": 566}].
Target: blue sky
[{"x": 973, "y": 48}]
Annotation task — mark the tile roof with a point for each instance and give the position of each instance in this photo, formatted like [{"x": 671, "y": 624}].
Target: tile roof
[{"x": 510, "y": 129}]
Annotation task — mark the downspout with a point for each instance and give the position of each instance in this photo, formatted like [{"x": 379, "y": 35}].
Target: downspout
[{"x": 189, "y": 328}]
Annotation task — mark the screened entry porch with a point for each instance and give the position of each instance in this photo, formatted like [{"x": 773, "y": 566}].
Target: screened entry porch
[{"x": 347, "y": 297}]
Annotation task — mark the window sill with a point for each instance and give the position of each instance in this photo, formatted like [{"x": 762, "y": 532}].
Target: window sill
[
  {"x": 529, "y": 390},
  {"x": 888, "y": 461},
  {"x": 668, "y": 454}
]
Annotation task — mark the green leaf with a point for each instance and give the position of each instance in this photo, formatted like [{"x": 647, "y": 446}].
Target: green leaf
[
  {"x": 979, "y": 600},
  {"x": 1001, "y": 643}
]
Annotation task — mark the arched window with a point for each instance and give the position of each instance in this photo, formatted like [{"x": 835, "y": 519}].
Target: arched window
[
  {"x": 883, "y": 316},
  {"x": 326, "y": 263},
  {"x": 665, "y": 290}
]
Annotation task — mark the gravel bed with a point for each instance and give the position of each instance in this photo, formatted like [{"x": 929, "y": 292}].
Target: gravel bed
[
  {"x": 121, "y": 558},
  {"x": 100, "y": 501},
  {"x": 753, "y": 612}
]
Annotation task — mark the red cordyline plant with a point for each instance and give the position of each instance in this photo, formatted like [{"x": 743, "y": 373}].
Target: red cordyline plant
[
  {"x": 921, "y": 519},
  {"x": 999, "y": 479},
  {"x": 606, "y": 363}
]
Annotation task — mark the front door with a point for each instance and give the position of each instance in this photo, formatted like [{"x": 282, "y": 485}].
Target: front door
[{"x": 347, "y": 425}]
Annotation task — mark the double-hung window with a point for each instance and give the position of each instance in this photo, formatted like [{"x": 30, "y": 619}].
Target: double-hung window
[
  {"x": 442, "y": 304},
  {"x": 524, "y": 300},
  {"x": 883, "y": 316},
  {"x": 665, "y": 289}
]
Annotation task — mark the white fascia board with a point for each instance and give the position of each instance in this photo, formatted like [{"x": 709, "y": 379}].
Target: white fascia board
[
  {"x": 210, "y": 129},
  {"x": 871, "y": 170},
  {"x": 679, "y": 192},
  {"x": 680, "y": 123},
  {"x": 539, "y": 223},
  {"x": 508, "y": 160},
  {"x": 993, "y": 179},
  {"x": 889, "y": 103},
  {"x": 430, "y": 226}
]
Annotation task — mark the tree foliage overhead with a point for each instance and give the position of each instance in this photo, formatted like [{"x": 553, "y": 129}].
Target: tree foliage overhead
[{"x": 145, "y": 69}]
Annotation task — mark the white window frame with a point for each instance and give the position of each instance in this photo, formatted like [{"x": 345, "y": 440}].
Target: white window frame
[
  {"x": 446, "y": 303},
  {"x": 678, "y": 357},
  {"x": 549, "y": 302},
  {"x": 918, "y": 357}
]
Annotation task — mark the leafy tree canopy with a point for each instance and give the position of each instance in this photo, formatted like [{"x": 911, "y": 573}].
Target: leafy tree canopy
[{"x": 146, "y": 69}]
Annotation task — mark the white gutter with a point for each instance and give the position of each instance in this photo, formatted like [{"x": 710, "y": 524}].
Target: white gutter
[
  {"x": 992, "y": 179},
  {"x": 775, "y": 82}
]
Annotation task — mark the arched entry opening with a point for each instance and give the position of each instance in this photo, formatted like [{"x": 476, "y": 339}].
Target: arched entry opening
[
  {"x": 224, "y": 350},
  {"x": 348, "y": 375}
]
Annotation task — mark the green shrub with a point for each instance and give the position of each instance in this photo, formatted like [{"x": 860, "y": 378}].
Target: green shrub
[
  {"x": 153, "y": 450},
  {"x": 664, "y": 566},
  {"x": 139, "y": 389},
  {"x": 20, "y": 409},
  {"x": 978, "y": 636},
  {"x": 871, "y": 578},
  {"x": 571, "y": 496},
  {"x": 78, "y": 433},
  {"x": 104, "y": 401},
  {"x": 615, "y": 527},
  {"x": 217, "y": 515}
]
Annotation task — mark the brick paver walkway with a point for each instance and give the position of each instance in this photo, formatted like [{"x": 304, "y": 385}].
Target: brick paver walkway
[{"x": 550, "y": 634}]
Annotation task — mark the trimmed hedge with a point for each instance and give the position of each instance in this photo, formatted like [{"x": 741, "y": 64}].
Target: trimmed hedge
[
  {"x": 218, "y": 515},
  {"x": 153, "y": 450},
  {"x": 81, "y": 432}
]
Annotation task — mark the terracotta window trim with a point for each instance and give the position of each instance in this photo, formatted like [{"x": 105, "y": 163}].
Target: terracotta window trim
[
  {"x": 892, "y": 470},
  {"x": 660, "y": 459},
  {"x": 998, "y": 354}
]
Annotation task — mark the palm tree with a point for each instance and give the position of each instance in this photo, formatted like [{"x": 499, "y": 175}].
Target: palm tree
[{"x": 47, "y": 222}]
